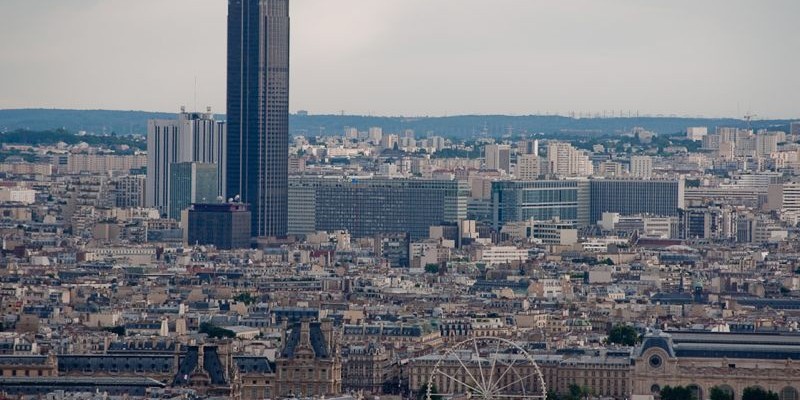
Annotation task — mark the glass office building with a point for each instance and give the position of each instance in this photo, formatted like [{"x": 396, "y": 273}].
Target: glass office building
[
  {"x": 258, "y": 110},
  {"x": 367, "y": 207},
  {"x": 226, "y": 226},
  {"x": 189, "y": 183},
  {"x": 635, "y": 196},
  {"x": 543, "y": 200}
]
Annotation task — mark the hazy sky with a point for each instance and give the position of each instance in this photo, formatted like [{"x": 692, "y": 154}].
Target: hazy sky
[{"x": 417, "y": 57}]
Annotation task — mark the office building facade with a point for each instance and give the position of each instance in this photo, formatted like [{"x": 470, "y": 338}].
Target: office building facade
[
  {"x": 191, "y": 182},
  {"x": 258, "y": 110},
  {"x": 564, "y": 160},
  {"x": 193, "y": 137},
  {"x": 368, "y": 207},
  {"x": 514, "y": 201},
  {"x": 528, "y": 146},
  {"x": 629, "y": 197},
  {"x": 129, "y": 191},
  {"x": 528, "y": 167},
  {"x": 696, "y": 133},
  {"x": 226, "y": 226},
  {"x": 794, "y": 128},
  {"x": 641, "y": 167},
  {"x": 498, "y": 157}
]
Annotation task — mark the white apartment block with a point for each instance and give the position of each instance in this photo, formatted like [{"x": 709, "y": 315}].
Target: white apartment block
[
  {"x": 528, "y": 168},
  {"x": 565, "y": 160},
  {"x": 696, "y": 133},
  {"x": 642, "y": 167}
]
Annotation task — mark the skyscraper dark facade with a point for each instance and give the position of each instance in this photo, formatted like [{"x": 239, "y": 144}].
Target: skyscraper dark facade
[
  {"x": 223, "y": 225},
  {"x": 258, "y": 110}
]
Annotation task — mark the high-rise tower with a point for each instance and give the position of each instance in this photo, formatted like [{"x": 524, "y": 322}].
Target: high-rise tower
[
  {"x": 193, "y": 137},
  {"x": 258, "y": 110}
]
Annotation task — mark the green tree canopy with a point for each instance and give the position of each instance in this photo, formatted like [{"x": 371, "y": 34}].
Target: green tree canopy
[
  {"x": 245, "y": 298},
  {"x": 757, "y": 393},
  {"x": 432, "y": 268},
  {"x": 677, "y": 393},
  {"x": 422, "y": 393},
  {"x": 718, "y": 393},
  {"x": 216, "y": 332},
  {"x": 623, "y": 334},
  {"x": 551, "y": 395},
  {"x": 577, "y": 392}
]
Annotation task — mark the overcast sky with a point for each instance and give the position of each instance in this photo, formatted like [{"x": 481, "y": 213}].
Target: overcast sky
[{"x": 417, "y": 57}]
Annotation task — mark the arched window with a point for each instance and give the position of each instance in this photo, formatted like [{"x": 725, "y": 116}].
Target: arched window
[
  {"x": 696, "y": 391},
  {"x": 655, "y": 389},
  {"x": 789, "y": 393},
  {"x": 729, "y": 390}
]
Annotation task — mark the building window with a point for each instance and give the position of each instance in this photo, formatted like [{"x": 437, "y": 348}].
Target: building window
[
  {"x": 789, "y": 393},
  {"x": 655, "y": 389}
]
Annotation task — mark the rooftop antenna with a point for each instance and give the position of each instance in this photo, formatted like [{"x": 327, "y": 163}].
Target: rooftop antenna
[{"x": 195, "y": 93}]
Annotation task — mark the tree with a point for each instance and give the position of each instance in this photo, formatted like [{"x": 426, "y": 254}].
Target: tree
[
  {"x": 718, "y": 393},
  {"x": 677, "y": 393},
  {"x": 245, "y": 298},
  {"x": 578, "y": 392},
  {"x": 432, "y": 268},
  {"x": 623, "y": 334},
  {"x": 757, "y": 393},
  {"x": 396, "y": 385},
  {"x": 422, "y": 393},
  {"x": 692, "y": 183},
  {"x": 216, "y": 332}
]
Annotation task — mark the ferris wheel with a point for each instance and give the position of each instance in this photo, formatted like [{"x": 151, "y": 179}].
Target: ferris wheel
[{"x": 486, "y": 368}]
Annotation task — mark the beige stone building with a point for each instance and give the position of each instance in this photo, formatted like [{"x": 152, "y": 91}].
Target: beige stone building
[
  {"x": 732, "y": 361},
  {"x": 309, "y": 364},
  {"x": 366, "y": 368}
]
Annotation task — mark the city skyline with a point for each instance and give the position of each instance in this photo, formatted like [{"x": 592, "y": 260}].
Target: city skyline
[
  {"x": 364, "y": 258},
  {"x": 361, "y": 57}
]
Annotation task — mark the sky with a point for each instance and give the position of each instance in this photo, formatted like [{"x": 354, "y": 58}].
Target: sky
[{"x": 418, "y": 57}]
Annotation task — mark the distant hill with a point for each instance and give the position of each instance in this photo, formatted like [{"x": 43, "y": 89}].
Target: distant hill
[
  {"x": 135, "y": 122},
  {"x": 93, "y": 121},
  {"x": 53, "y": 137},
  {"x": 500, "y": 125}
]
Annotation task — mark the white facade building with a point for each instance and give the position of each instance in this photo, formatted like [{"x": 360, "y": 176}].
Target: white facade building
[
  {"x": 193, "y": 137},
  {"x": 642, "y": 167},
  {"x": 498, "y": 157},
  {"x": 564, "y": 160},
  {"x": 696, "y": 133},
  {"x": 492, "y": 255},
  {"x": 528, "y": 167},
  {"x": 375, "y": 135},
  {"x": 18, "y": 195}
]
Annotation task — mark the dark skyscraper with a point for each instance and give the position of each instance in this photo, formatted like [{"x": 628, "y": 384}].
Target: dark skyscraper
[
  {"x": 258, "y": 110},
  {"x": 223, "y": 225}
]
